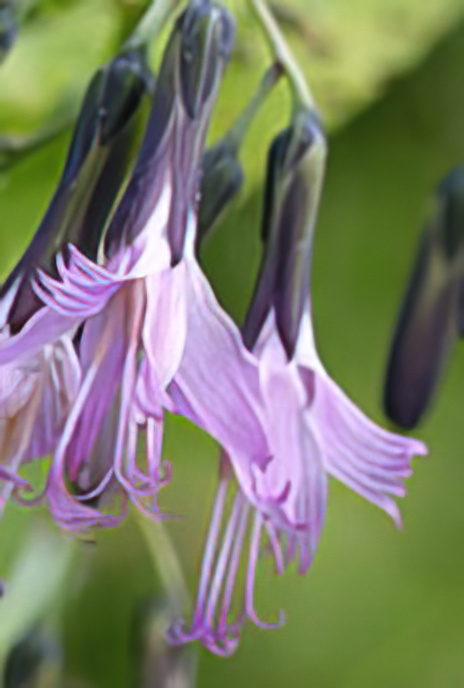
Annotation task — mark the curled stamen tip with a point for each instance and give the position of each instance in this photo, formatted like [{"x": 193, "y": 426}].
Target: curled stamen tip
[
  {"x": 178, "y": 633},
  {"x": 221, "y": 643},
  {"x": 21, "y": 485},
  {"x": 268, "y": 625},
  {"x": 148, "y": 487},
  {"x": 27, "y": 500},
  {"x": 165, "y": 474},
  {"x": 81, "y": 519}
]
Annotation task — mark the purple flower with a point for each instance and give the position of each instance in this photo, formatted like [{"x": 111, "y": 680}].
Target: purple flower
[
  {"x": 36, "y": 395},
  {"x": 39, "y": 384},
  {"x": 312, "y": 429},
  {"x": 130, "y": 314}
]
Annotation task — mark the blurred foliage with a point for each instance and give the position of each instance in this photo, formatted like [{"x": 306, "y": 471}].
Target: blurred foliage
[
  {"x": 378, "y": 608},
  {"x": 351, "y": 49},
  {"x": 355, "y": 46},
  {"x": 33, "y": 662}
]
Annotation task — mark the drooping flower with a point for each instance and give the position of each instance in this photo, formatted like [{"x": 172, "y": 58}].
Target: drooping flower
[
  {"x": 313, "y": 430},
  {"x": 37, "y": 389},
  {"x": 432, "y": 314},
  {"x": 148, "y": 298}
]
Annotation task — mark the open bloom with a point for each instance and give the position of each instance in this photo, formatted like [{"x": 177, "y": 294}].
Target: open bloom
[
  {"x": 36, "y": 395},
  {"x": 39, "y": 385},
  {"x": 312, "y": 429},
  {"x": 131, "y": 313}
]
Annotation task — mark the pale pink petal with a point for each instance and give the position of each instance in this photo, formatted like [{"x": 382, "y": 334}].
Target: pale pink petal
[
  {"x": 45, "y": 327},
  {"x": 165, "y": 325},
  {"x": 217, "y": 384}
]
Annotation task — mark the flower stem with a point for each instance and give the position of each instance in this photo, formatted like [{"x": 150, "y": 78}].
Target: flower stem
[
  {"x": 167, "y": 564},
  {"x": 237, "y": 133},
  {"x": 282, "y": 53},
  {"x": 151, "y": 23}
]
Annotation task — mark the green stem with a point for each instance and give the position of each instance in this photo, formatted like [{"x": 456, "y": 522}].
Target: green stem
[
  {"x": 151, "y": 23},
  {"x": 282, "y": 53},
  {"x": 167, "y": 564},
  {"x": 236, "y": 134}
]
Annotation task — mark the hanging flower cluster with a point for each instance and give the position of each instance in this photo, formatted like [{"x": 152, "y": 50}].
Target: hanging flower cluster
[{"x": 108, "y": 322}]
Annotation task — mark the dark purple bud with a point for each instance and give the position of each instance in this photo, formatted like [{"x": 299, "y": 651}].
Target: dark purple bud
[
  {"x": 173, "y": 145},
  {"x": 207, "y": 40},
  {"x": 33, "y": 657},
  {"x": 8, "y": 27},
  {"x": 148, "y": 177},
  {"x": 98, "y": 161},
  {"x": 295, "y": 173},
  {"x": 222, "y": 173},
  {"x": 222, "y": 179},
  {"x": 111, "y": 99},
  {"x": 128, "y": 80},
  {"x": 431, "y": 316}
]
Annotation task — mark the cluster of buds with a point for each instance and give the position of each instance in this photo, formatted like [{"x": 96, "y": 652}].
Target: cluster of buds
[{"x": 108, "y": 323}]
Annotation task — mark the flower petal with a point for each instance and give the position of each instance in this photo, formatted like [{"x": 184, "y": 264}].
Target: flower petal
[
  {"x": 368, "y": 459},
  {"x": 165, "y": 325},
  {"x": 217, "y": 385},
  {"x": 45, "y": 326}
]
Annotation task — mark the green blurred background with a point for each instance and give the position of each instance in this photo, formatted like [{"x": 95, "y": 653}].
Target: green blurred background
[{"x": 379, "y": 607}]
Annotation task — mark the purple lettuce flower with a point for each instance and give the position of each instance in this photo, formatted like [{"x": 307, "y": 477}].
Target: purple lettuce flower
[
  {"x": 312, "y": 429},
  {"x": 131, "y": 313}
]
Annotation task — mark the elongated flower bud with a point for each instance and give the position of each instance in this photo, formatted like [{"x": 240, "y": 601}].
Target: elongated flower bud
[
  {"x": 98, "y": 161},
  {"x": 295, "y": 174},
  {"x": 170, "y": 154},
  {"x": 430, "y": 318},
  {"x": 112, "y": 97},
  {"x": 207, "y": 40},
  {"x": 222, "y": 179},
  {"x": 222, "y": 173}
]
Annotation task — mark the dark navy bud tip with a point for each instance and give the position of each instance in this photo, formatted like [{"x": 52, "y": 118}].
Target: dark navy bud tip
[
  {"x": 222, "y": 180},
  {"x": 306, "y": 132},
  {"x": 206, "y": 41},
  {"x": 403, "y": 415},
  {"x": 127, "y": 80},
  {"x": 227, "y": 35}
]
